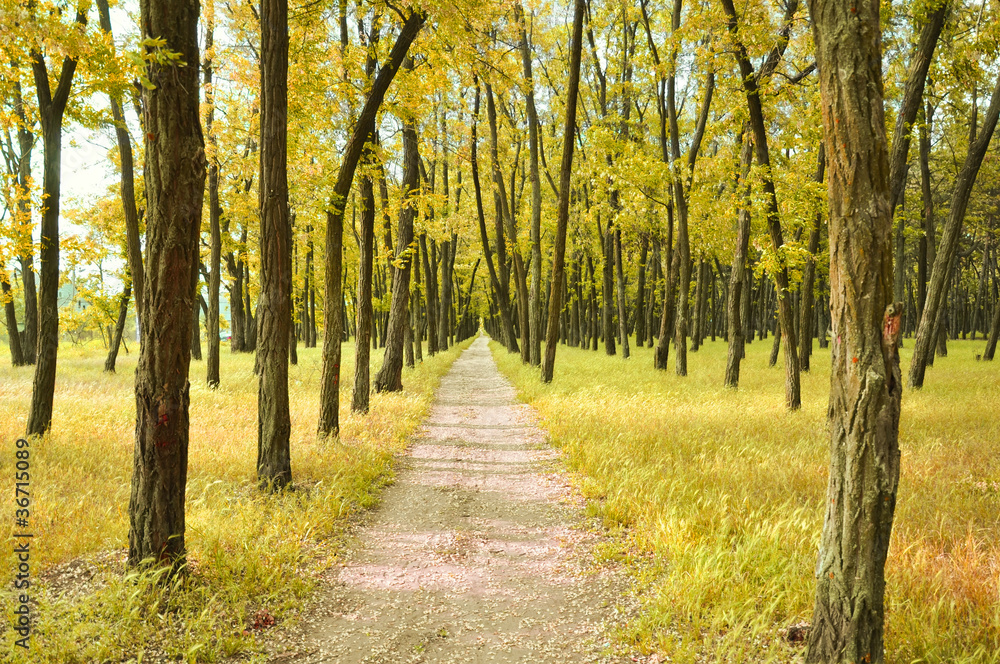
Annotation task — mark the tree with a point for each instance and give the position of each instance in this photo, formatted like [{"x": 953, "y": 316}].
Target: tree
[
  {"x": 941, "y": 274},
  {"x": 274, "y": 318},
  {"x": 751, "y": 84},
  {"x": 329, "y": 419},
  {"x": 51, "y": 107},
  {"x": 175, "y": 183},
  {"x": 389, "y": 377},
  {"x": 865, "y": 382},
  {"x": 565, "y": 172},
  {"x": 214, "y": 210}
]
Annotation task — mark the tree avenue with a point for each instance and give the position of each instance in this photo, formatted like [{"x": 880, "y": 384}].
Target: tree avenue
[{"x": 326, "y": 189}]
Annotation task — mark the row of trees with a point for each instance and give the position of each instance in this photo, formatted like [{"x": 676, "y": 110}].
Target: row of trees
[{"x": 688, "y": 202}]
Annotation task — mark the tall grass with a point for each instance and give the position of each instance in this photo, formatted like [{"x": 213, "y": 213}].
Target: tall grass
[
  {"x": 718, "y": 497},
  {"x": 247, "y": 551}
]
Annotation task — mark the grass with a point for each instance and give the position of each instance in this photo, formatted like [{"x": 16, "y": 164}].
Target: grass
[
  {"x": 248, "y": 552},
  {"x": 717, "y": 497}
]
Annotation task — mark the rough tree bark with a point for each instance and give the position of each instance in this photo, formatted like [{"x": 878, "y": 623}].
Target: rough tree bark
[
  {"x": 865, "y": 381},
  {"x": 175, "y": 185},
  {"x": 274, "y": 316},
  {"x": 389, "y": 377},
  {"x": 535, "y": 295}
]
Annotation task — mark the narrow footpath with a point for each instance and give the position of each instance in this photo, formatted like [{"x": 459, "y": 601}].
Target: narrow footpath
[{"x": 478, "y": 552}]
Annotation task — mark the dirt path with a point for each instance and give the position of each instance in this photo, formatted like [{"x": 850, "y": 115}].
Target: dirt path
[{"x": 478, "y": 551}]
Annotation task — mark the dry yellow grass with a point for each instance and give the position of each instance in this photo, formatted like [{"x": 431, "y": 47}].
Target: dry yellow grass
[
  {"x": 246, "y": 550},
  {"x": 719, "y": 497}
]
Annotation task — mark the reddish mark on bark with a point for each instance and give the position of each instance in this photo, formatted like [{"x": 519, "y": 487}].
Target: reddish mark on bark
[
  {"x": 831, "y": 575},
  {"x": 854, "y": 360},
  {"x": 163, "y": 420},
  {"x": 150, "y": 136}
]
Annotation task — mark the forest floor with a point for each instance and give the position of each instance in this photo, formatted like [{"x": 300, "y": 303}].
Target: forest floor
[{"x": 479, "y": 551}]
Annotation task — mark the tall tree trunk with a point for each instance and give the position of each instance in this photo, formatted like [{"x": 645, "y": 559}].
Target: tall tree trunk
[
  {"x": 430, "y": 277},
  {"x": 866, "y": 384},
  {"x": 809, "y": 276},
  {"x": 274, "y": 315},
  {"x": 51, "y": 105},
  {"x": 389, "y": 377},
  {"x": 503, "y": 303},
  {"x": 175, "y": 186},
  {"x": 699, "y": 297},
  {"x": 607, "y": 291},
  {"x": 640, "y": 294},
  {"x": 214, "y": 210},
  {"x": 622, "y": 304},
  {"x": 562, "y": 213},
  {"x": 13, "y": 335},
  {"x": 738, "y": 283},
  {"x": 196, "y": 327},
  {"x": 945, "y": 259},
  {"x": 444, "y": 305},
  {"x": 26, "y": 143},
  {"x": 793, "y": 398},
  {"x": 329, "y": 419},
  {"x": 134, "y": 248},
  {"x": 363, "y": 345},
  {"x": 535, "y": 295}
]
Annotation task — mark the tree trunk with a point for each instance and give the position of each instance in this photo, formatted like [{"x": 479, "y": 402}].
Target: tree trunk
[
  {"x": 699, "y": 298},
  {"x": 274, "y": 316},
  {"x": 608, "y": 292},
  {"x": 363, "y": 345},
  {"x": 640, "y": 294},
  {"x": 26, "y": 142},
  {"x": 196, "y": 328},
  {"x": 444, "y": 306},
  {"x": 793, "y": 399},
  {"x": 329, "y": 419},
  {"x": 622, "y": 303},
  {"x": 809, "y": 277},
  {"x": 13, "y": 335},
  {"x": 389, "y": 377},
  {"x": 738, "y": 282},
  {"x": 116, "y": 341},
  {"x": 509, "y": 338},
  {"x": 214, "y": 210},
  {"x": 562, "y": 213},
  {"x": 866, "y": 385},
  {"x": 945, "y": 259},
  {"x": 535, "y": 295},
  {"x": 430, "y": 276},
  {"x": 51, "y": 106},
  {"x": 175, "y": 186}
]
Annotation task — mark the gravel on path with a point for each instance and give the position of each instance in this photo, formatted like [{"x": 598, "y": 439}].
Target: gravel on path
[{"x": 479, "y": 551}]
